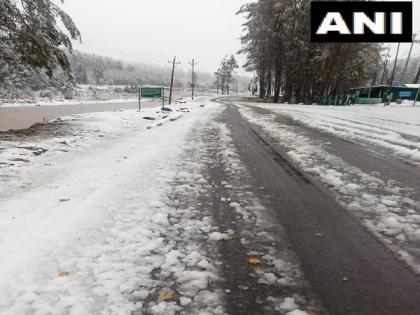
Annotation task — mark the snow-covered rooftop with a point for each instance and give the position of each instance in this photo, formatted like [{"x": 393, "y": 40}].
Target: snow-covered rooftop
[{"x": 412, "y": 85}]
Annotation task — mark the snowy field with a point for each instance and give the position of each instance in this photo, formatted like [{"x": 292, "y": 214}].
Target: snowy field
[
  {"x": 87, "y": 95},
  {"x": 388, "y": 208},
  {"x": 82, "y": 94},
  {"x": 47, "y": 102},
  {"x": 101, "y": 214},
  {"x": 396, "y": 128}
]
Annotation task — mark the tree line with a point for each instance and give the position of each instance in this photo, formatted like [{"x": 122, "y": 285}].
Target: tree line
[
  {"x": 36, "y": 54},
  {"x": 225, "y": 74},
  {"x": 290, "y": 68}
]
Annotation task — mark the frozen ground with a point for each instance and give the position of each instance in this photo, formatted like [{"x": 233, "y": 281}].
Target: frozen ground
[
  {"x": 109, "y": 213},
  {"x": 387, "y": 207}
]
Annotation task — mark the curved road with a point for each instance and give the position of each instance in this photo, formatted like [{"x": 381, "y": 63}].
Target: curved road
[{"x": 351, "y": 271}]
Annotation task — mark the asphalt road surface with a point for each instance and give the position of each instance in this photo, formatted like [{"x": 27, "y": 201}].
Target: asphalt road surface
[{"x": 351, "y": 271}]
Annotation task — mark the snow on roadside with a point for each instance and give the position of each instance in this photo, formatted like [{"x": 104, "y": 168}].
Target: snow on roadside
[
  {"x": 98, "y": 230},
  {"x": 395, "y": 128},
  {"x": 386, "y": 208},
  {"x": 36, "y": 150},
  {"x": 82, "y": 94},
  {"x": 72, "y": 102}
]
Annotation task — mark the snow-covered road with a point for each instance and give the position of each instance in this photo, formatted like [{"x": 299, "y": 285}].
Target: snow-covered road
[
  {"x": 324, "y": 189},
  {"x": 110, "y": 213},
  {"x": 374, "y": 173},
  {"x": 215, "y": 208}
]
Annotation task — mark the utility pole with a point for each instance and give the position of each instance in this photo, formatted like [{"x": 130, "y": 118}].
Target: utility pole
[
  {"x": 395, "y": 65},
  {"x": 408, "y": 57},
  {"x": 172, "y": 78},
  {"x": 418, "y": 90},
  {"x": 384, "y": 72},
  {"x": 262, "y": 91},
  {"x": 416, "y": 97},
  {"x": 193, "y": 63},
  {"x": 218, "y": 81},
  {"x": 385, "y": 65},
  {"x": 416, "y": 79}
]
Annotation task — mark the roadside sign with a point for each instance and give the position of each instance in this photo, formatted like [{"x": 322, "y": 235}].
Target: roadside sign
[{"x": 152, "y": 92}]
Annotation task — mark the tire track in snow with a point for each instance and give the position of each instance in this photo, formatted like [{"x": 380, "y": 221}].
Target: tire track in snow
[{"x": 248, "y": 230}]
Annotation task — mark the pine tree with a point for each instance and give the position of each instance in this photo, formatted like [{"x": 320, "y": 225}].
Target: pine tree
[
  {"x": 225, "y": 73},
  {"x": 278, "y": 48},
  {"x": 30, "y": 36}
]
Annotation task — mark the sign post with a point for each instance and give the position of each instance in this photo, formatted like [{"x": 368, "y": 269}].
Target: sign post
[{"x": 153, "y": 93}]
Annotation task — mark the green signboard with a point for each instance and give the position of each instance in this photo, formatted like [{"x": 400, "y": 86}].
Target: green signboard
[{"x": 151, "y": 92}]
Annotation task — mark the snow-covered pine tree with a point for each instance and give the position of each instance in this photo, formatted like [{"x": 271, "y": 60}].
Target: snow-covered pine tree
[
  {"x": 32, "y": 43},
  {"x": 225, "y": 73}
]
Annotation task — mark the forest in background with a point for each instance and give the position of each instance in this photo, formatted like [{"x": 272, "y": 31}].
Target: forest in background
[
  {"x": 95, "y": 70},
  {"x": 290, "y": 68},
  {"x": 36, "y": 57}
]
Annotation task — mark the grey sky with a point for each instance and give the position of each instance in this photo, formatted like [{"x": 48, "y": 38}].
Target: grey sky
[
  {"x": 153, "y": 31},
  {"x": 405, "y": 47}
]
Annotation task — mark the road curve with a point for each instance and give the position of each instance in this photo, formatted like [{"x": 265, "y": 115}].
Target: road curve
[{"x": 352, "y": 272}]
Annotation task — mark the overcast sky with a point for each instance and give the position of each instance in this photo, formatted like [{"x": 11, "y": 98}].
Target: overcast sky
[{"x": 153, "y": 31}]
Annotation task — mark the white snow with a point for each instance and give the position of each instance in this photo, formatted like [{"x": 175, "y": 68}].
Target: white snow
[
  {"x": 217, "y": 236},
  {"x": 100, "y": 215},
  {"x": 396, "y": 128},
  {"x": 288, "y": 304},
  {"x": 84, "y": 225},
  {"x": 44, "y": 102}
]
